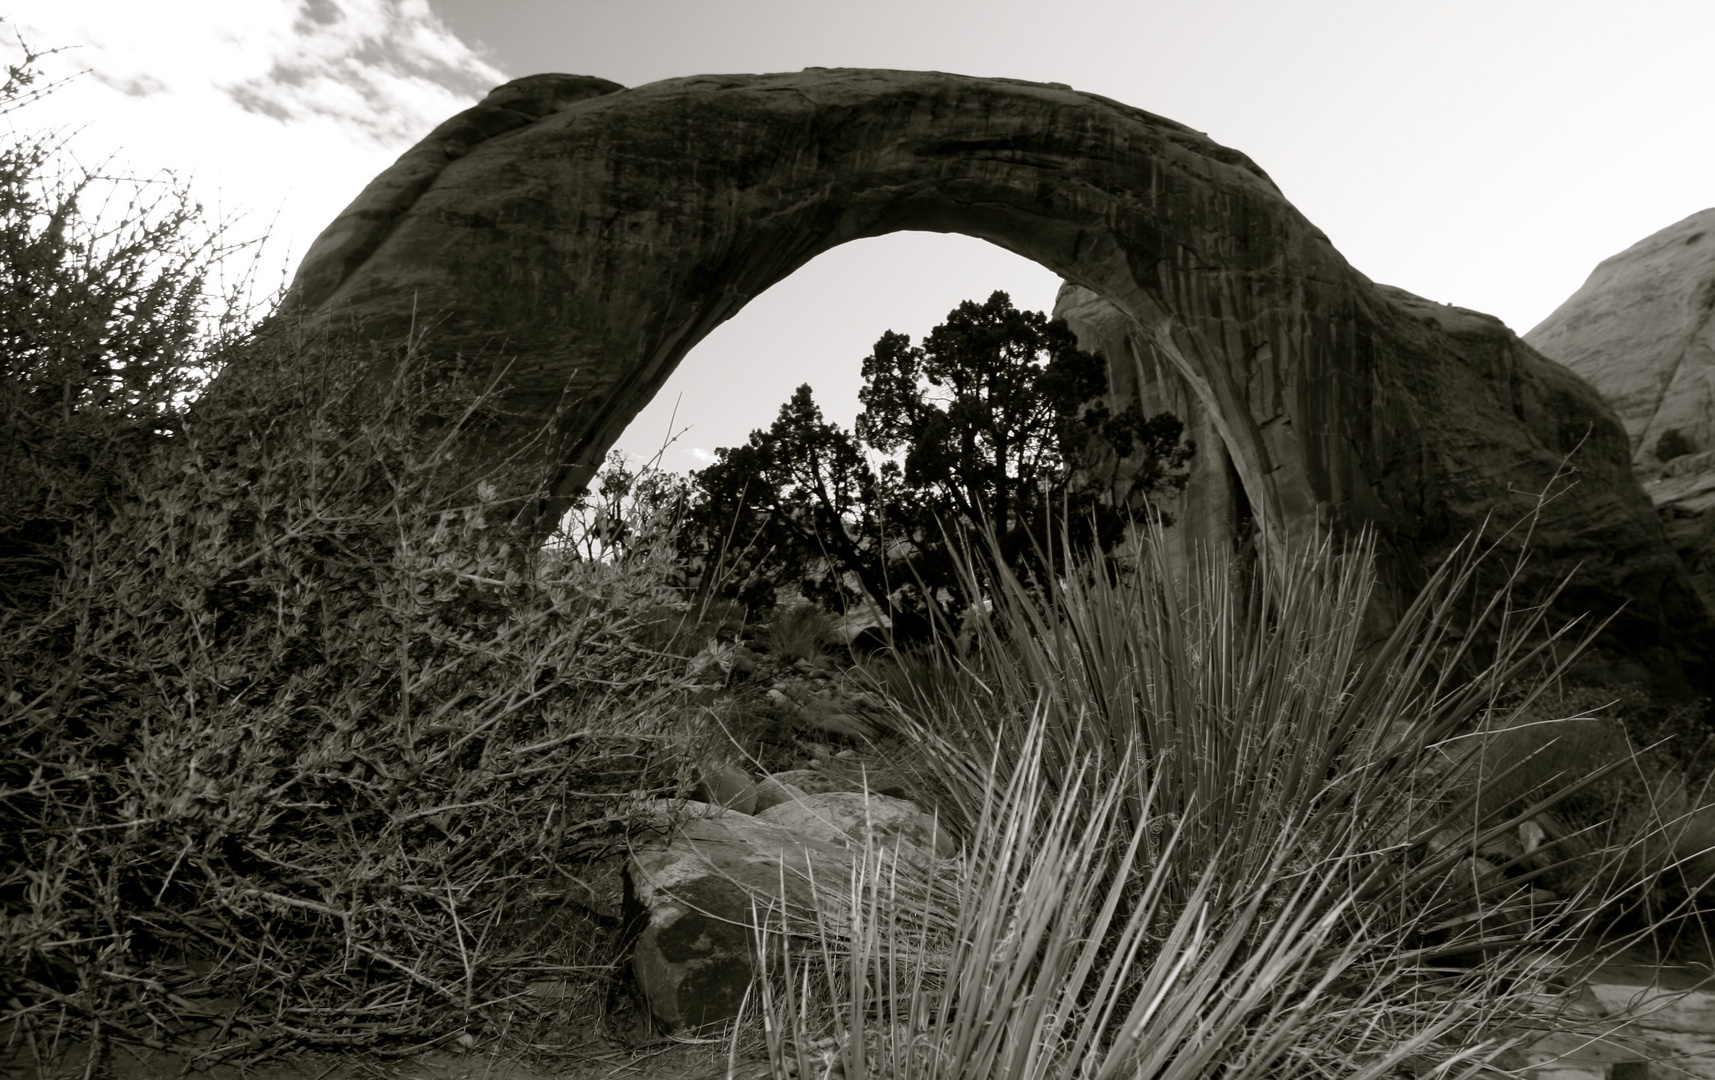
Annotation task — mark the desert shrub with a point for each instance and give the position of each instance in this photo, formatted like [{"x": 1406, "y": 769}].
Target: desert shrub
[
  {"x": 1205, "y": 835},
  {"x": 305, "y": 725},
  {"x": 112, "y": 296},
  {"x": 631, "y": 512}
]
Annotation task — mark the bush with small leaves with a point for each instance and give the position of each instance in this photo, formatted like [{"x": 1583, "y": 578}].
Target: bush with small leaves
[
  {"x": 111, "y": 301},
  {"x": 306, "y": 723}
]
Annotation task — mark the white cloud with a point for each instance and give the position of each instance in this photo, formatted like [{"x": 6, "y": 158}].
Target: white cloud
[
  {"x": 704, "y": 456},
  {"x": 279, "y": 110},
  {"x": 369, "y": 67}
]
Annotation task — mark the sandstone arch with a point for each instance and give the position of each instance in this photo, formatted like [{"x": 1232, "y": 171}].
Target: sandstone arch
[{"x": 596, "y": 234}]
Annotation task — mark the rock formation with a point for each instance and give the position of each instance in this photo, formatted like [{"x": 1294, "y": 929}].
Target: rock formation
[
  {"x": 697, "y": 880},
  {"x": 592, "y": 235},
  {"x": 695, "y": 891},
  {"x": 1642, "y": 332},
  {"x": 692, "y": 897}
]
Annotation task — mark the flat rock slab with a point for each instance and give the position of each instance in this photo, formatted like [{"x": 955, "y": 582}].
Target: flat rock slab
[
  {"x": 862, "y": 819},
  {"x": 1673, "y": 1030}
]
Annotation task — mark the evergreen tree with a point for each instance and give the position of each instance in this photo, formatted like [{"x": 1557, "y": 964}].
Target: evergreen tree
[{"x": 996, "y": 421}]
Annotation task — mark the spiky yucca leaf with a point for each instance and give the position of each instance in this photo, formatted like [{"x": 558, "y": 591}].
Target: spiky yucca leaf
[{"x": 1197, "y": 823}]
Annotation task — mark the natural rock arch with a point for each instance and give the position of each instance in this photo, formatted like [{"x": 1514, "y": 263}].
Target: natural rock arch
[{"x": 594, "y": 234}]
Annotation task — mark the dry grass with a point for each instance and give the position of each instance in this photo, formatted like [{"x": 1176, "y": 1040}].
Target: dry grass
[{"x": 798, "y": 632}]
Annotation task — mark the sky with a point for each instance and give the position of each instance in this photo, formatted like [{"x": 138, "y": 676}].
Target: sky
[{"x": 1485, "y": 153}]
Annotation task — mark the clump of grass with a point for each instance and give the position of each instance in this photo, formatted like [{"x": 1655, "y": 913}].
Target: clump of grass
[
  {"x": 1200, "y": 840},
  {"x": 306, "y": 729},
  {"x": 798, "y": 632}
]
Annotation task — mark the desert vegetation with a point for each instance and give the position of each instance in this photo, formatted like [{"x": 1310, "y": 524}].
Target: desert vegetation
[
  {"x": 307, "y": 741},
  {"x": 1206, "y": 836},
  {"x": 996, "y": 419}
]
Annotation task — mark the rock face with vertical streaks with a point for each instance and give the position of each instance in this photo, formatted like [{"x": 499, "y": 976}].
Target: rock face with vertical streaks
[
  {"x": 1642, "y": 332},
  {"x": 592, "y": 235}
]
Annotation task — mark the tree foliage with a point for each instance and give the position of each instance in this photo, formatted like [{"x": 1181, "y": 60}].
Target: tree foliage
[
  {"x": 996, "y": 420},
  {"x": 797, "y": 506}
]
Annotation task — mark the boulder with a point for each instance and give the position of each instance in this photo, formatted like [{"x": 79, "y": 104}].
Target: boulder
[
  {"x": 588, "y": 236},
  {"x": 727, "y": 786},
  {"x": 772, "y": 791},
  {"x": 1641, "y": 330},
  {"x": 809, "y": 781},
  {"x": 862, "y": 819},
  {"x": 692, "y": 898}
]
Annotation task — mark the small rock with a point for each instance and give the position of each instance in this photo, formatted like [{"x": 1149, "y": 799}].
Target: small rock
[
  {"x": 772, "y": 791},
  {"x": 1531, "y": 835},
  {"x": 808, "y": 781},
  {"x": 726, "y": 785}
]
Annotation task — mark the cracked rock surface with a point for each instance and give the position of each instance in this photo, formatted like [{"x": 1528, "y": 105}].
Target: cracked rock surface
[{"x": 1629, "y": 1014}]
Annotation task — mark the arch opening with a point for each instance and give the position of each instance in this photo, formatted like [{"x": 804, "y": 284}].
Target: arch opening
[{"x": 816, "y": 326}]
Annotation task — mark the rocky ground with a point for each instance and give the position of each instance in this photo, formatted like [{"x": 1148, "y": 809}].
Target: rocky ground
[{"x": 1636, "y": 1019}]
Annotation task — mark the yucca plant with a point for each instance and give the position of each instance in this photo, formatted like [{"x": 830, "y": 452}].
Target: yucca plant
[{"x": 1210, "y": 829}]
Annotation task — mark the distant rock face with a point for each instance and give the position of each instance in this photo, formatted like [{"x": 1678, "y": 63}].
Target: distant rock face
[
  {"x": 592, "y": 235},
  {"x": 1642, "y": 332}
]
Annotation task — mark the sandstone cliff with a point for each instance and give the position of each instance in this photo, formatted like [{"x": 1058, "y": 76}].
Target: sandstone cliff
[{"x": 1642, "y": 331}]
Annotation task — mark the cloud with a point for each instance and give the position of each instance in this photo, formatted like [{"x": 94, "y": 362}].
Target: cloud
[
  {"x": 704, "y": 456},
  {"x": 135, "y": 86},
  {"x": 356, "y": 63},
  {"x": 277, "y": 110}
]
